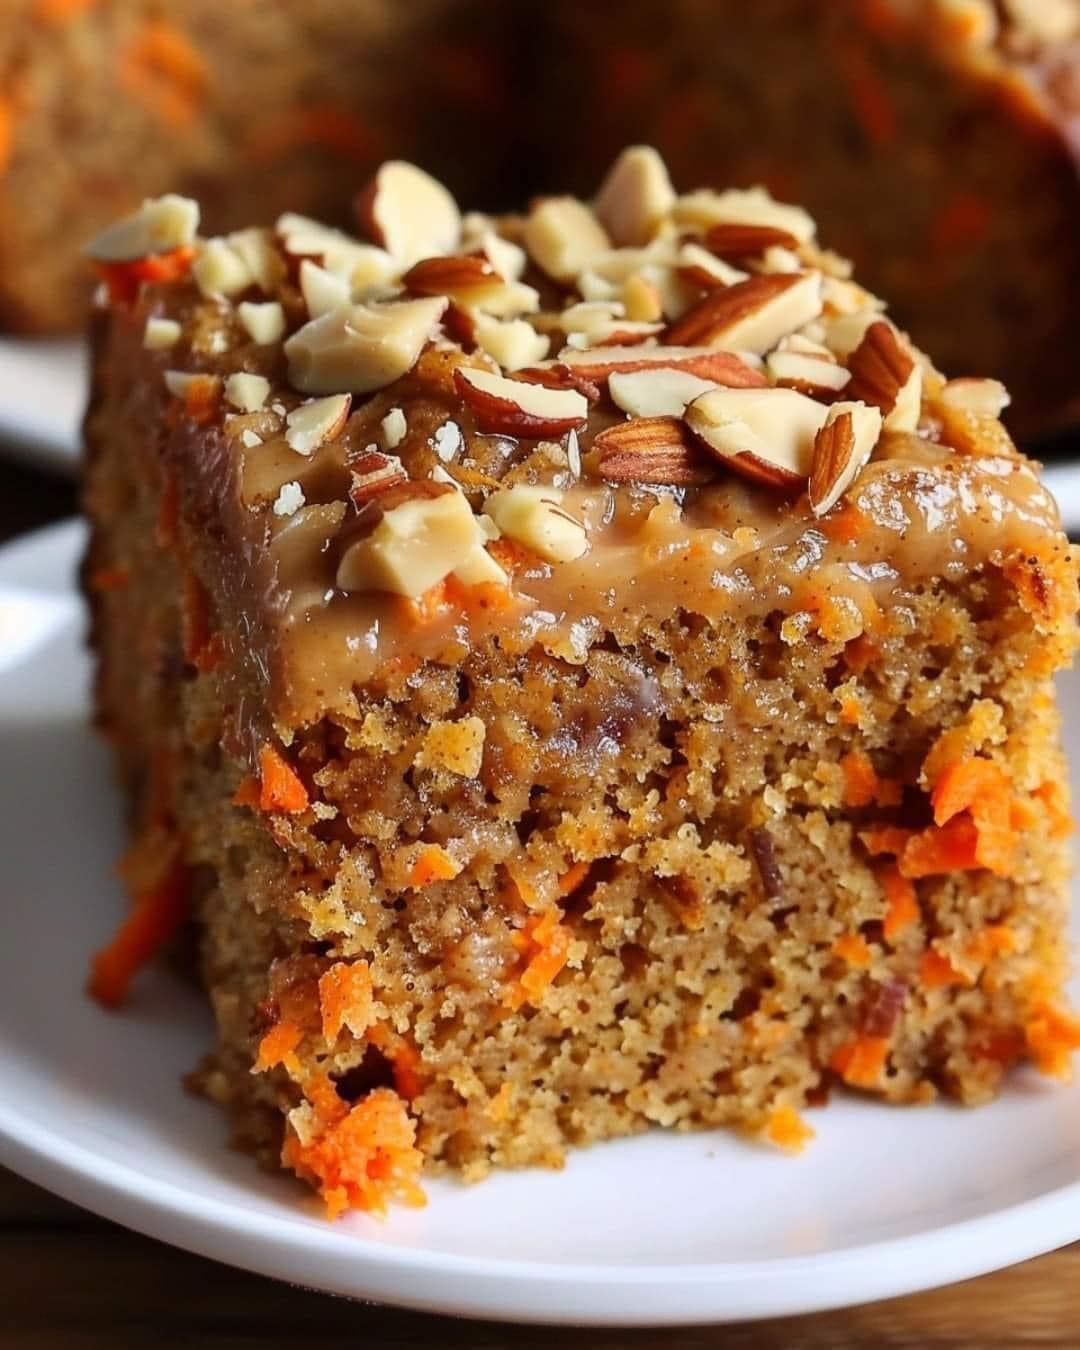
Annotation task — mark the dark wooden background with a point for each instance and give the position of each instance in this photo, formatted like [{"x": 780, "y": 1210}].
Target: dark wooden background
[{"x": 71, "y": 1281}]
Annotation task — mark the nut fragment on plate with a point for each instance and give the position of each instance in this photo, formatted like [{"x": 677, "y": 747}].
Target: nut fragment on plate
[
  {"x": 160, "y": 225},
  {"x": 373, "y": 473},
  {"x": 314, "y": 423},
  {"x": 651, "y": 450},
  {"x": 160, "y": 334},
  {"x": 323, "y": 292},
  {"x": 732, "y": 239},
  {"x": 753, "y": 315},
  {"x": 842, "y": 447},
  {"x": 517, "y": 408},
  {"x": 985, "y": 398},
  {"x": 220, "y": 271},
  {"x": 514, "y": 343},
  {"x": 720, "y": 367},
  {"x": 407, "y": 539},
  {"x": 751, "y": 206},
  {"x": 764, "y": 434},
  {"x": 532, "y": 516},
  {"x": 409, "y": 213},
  {"x": 246, "y": 392},
  {"x": 819, "y": 376},
  {"x": 361, "y": 348},
  {"x": 635, "y": 196},
  {"x": 886, "y": 374},
  {"x": 264, "y": 322},
  {"x": 663, "y": 391},
  {"x": 394, "y": 428},
  {"x": 563, "y": 236},
  {"x": 466, "y": 279}
]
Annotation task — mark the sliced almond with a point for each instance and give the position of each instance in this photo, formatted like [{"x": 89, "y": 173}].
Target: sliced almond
[
  {"x": 533, "y": 516},
  {"x": 479, "y": 233},
  {"x": 160, "y": 225},
  {"x": 465, "y": 279},
  {"x": 635, "y": 196},
  {"x": 752, "y": 315},
  {"x": 563, "y": 237},
  {"x": 985, "y": 398},
  {"x": 409, "y": 213},
  {"x": 719, "y": 367},
  {"x": 373, "y": 473},
  {"x": 394, "y": 428},
  {"x": 410, "y": 538},
  {"x": 764, "y": 434},
  {"x": 642, "y": 299},
  {"x": 819, "y": 377},
  {"x": 363, "y": 347},
  {"x": 289, "y": 500},
  {"x": 752, "y": 206},
  {"x": 220, "y": 271},
  {"x": 256, "y": 250},
  {"x": 885, "y": 374},
  {"x": 731, "y": 239},
  {"x": 160, "y": 334},
  {"x": 663, "y": 391},
  {"x": 247, "y": 392},
  {"x": 842, "y": 447},
  {"x": 323, "y": 292},
  {"x": 480, "y": 569},
  {"x": 512, "y": 342},
  {"x": 517, "y": 408},
  {"x": 651, "y": 450},
  {"x": 264, "y": 323},
  {"x": 844, "y": 332},
  {"x": 314, "y": 423},
  {"x": 699, "y": 267}
]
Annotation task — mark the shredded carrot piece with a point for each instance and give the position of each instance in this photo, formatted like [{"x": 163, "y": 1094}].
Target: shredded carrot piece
[
  {"x": 1053, "y": 1036},
  {"x": 545, "y": 943},
  {"x": 940, "y": 849},
  {"x": 936, "y": 971},
  {"x": 345, "y": 999},
  {"x": 483, "y": 597},
  {"x": 844, "y": 524},
  {"x": 195, "y": 610},
  {"x": 861, "y": 1062},
  {"x": 405, "y": 1062},
  {"x": 162, "y": 69},
  {"x": 279, "y": 787},
  {"x": 363, "y": 1159},
  {"x": 1054, "y": 794},
  {"x": 880, "y": 839},
  {"x": 278, "y": 1046},
  {"x": 573, "y": 877},
  {"x": 511, "y": 557},
  {"x": 124, "y": 280},
  {"x": 109, "y": 579},
  {"x": 903, "y": 903},
  {"x": 850, "y": 710},
  {"x": 7, "y": 132},
  {"x": 433, "y": 864},
  {"x": 426, "y": 608},
  {"x": 854, "y": 949},
  {"x": 247, "y": 793},
  {"x": 980, "y": 787},
  {"x": 996, "y": 939},
  {"x": 155, "y": 916},
  {"x": 862, "y": 785},
  {"x": 787, "y": 1130}
]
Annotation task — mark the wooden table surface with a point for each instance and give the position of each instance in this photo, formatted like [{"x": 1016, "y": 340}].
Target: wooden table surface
[{"x": 71, "y": 1281}]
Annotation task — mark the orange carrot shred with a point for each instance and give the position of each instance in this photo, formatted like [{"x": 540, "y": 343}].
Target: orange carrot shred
[
  {"x": 124, "y": 280},
  {"x": 980, "y": 787},
  {"x": 345, "y": 999},
  {"x": 7, "y": 132},
  {"x": 880, "y": 839},
  {"x": 278, "y": 1046},
  {"x": 161, "y": 68},
  {"x": 861, "y": 1062},
  {"x": 862, "y": 785},
  {"x": 433, "y": 864},
  {"x": 854, "y": 949},
  {"x": 903, "y": 903},
  {"x": 936, "y": 971},
  {"x": 787, "y": 1130},
  {"x": 155, "y": 916},
  {"x": 573, "y": 877},
  {"x": 279, "y": 787},
  {"x": 1053, "y": 1036},
  {"x": 940, "y": 849},
  {"x": 545, "y": 943}
]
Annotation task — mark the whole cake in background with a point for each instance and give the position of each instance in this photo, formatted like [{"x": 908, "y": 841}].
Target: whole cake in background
[
  {"x": 935, "y": 140},
  {"x": 576, "y": 672}
]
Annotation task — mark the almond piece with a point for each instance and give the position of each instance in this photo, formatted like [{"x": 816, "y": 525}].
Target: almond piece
[
  {"x": 394, "y": 428},
  {"x": 752, "y": 315},
  {"x": 563, "y": 237},
  {"x": 635, "y": 196},
  {"x": 663, "y": 391},
  {"x": 532, "y": 515},
  {"x": 314, "y": 423},
  {"x": 517, "y": 408},
  {"x": 409, "y": 213},
  {"x": 720, "y": 367},
  {"x": 699, "y": 267},
  {"x": 257, "y": 250},
  {"x": 557, "y": 375},
  {"x": 480, "y": 569},
  {"x": 220, "y": 271},
  {"x": 323, "y": 292},
  {"x": 764, "y": 434},
  {"x": 160, "y": 225},
  {"x": 842, "y": 447},
  {"x": 885, "y": 374},
  {"x": 263, "y": 322},
  {"x": 247, "y": 392},
  {"x": 752, "y": 206},
  {"x": 641, "y": 299},
  {"x": 819, "y": 377},
  {"x": 651, "y": 450},
  {"x": 985, "y": 398},
  {"x": 362, "y": 347},
  {"x": 844, "y": 332},
  {"x": 512, "y": 342},
  {"x": 480, "y": 233},
  {"x": 733, "y": 239},
  {"x": 374, "y": 473},
  {"x": 464, "y": 279},
  {"x": 159, "y": 334},
  {"x": 407, "y": 539}
]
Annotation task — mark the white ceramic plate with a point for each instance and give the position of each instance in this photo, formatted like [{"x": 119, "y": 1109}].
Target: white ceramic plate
[{"x": 660, "y": 1229}]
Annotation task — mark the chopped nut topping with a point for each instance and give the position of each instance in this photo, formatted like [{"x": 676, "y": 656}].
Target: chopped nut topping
[
  {"x": 754, "y": 206},
  {"x": 641, "y": 299},
  {"x": 819, "y": 376},
  {"x": 374, "y": 473},
  {"x": 842, "y": 446},
  {"x": 480, "y": 569},
  {"x": 844, "y": 332},
  {"x": 394, "y": 428},
  {"x": 250, "y": 439},
  {"x": 314, "y": 423},
  {"x": 479, "y": 234},
  {"x": 635, "y": 196},
  {"x": 532, "y": 516},
  {"x": 516, "y": 408},
  {"x": 651, "y": 450},
  {"x": 764, "y": 434},
  {"x": 721, "y": 367},
  {"x": 447, "y": 441},
  {"x": 290, "y": 499},
  {"x": 884, "y": 373},
  {"x": 160, "y": 225},
  {"x": 323, "y": 292},
  {"x": 410, "y": 213},
  {"x": 220, "y": 271},
  {"x": 264, "y": 323},
  {"x": 986, "y": 398},
  {"x": 182, "y": 383},
  {"x": 564, "y": 237},
  {"x": 662, "y": 391},
  {"x": 256, "y": 250},
  {"x": 160, "y": 334},
  {"x": 737, "y": 239},
  {"x": 412, "y": 536},
  {"x": 247, "y": 392},
  {"x": 573, "y": 454},
  {"x": 513, "y": 343},
  {"x": 751, "y": 316},
  {"x": 465, "y": 279},
  {"x": 361, "y": 348}
]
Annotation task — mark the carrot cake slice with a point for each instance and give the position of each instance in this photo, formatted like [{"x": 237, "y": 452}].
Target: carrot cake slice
[{"x": 574, "y": 672}]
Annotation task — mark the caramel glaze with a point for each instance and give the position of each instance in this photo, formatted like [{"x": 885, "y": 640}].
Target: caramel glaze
[{"x": 725, "y": 550}]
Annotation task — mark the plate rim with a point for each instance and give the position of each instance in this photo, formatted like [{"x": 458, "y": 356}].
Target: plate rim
[{"x": 516, "y": 1290}]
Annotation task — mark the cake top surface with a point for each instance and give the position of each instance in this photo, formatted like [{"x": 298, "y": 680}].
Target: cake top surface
[{"x": 549, "y": 427}]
